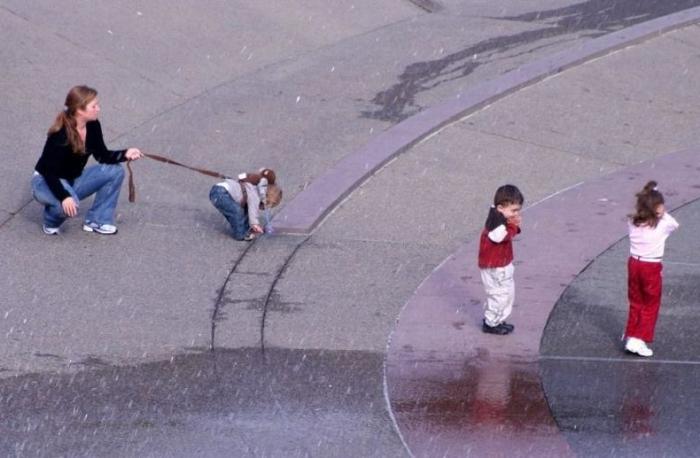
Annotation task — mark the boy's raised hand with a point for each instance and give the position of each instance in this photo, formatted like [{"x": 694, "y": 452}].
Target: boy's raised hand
[{"x": 515, "y": 220}]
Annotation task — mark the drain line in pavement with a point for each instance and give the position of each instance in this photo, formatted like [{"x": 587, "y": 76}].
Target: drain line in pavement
[
  {"x": 429, "y": 6},
  {"x": 222, "y": 291},
  {"x": 14, "y": 213},
  {"x": 272, "y": 289}
]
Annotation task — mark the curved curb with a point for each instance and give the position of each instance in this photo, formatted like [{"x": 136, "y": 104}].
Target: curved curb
[
  {"x": 308, "y": 208},
  {"x": 440, "y": 358}
]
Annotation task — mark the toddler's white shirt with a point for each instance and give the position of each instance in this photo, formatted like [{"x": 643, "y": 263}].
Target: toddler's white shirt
[{"x": 649, "y": 242}]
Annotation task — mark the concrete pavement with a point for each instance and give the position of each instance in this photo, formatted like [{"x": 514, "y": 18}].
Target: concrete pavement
[{"x": 151, "y": 293}]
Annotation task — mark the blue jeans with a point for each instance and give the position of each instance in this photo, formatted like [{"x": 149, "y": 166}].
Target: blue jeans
[
  {"x": 103, "y": 179},
  {"x": 232, "y": 211}
]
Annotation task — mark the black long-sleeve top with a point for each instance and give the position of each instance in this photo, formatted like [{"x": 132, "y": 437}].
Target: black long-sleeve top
[{"x": 59, "y": 161}]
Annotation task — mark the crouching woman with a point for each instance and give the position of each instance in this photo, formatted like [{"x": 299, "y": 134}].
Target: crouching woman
[{"x": 60, "y": 178}]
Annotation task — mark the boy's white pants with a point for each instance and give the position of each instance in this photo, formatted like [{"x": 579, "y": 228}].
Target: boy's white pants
[{"x": 500, "y": 293}]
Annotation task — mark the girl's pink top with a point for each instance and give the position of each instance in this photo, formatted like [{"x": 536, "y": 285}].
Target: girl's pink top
[{"x": 649, "y": 242}]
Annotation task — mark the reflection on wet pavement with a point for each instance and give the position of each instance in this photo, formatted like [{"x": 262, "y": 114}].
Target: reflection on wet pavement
[
  {"x": 607, "y": 402},
  {"x": 226, "y": 403},
  {"x": 452, "y": 405},
  {"x": 628, "y": 408}
]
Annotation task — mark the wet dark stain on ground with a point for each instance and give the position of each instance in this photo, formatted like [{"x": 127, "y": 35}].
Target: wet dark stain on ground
[
  {"x": 47, "y": 355},
  {"x": 92, "y": 361},
  {"x": 482, "y": 397},
  {"x": 610, "y": 409},
  {"x": 253, "y": 274},
  {"x": 68, "y": 415},
  {"x": 428, "y": 6},
  {"x": 609, "y": 403},
  {"x": 274, "y": 304},
  {"x": 592, "y": 18}
]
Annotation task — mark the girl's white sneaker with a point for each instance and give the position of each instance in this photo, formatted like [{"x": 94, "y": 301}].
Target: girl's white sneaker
[{"x": 638, "y": 347}]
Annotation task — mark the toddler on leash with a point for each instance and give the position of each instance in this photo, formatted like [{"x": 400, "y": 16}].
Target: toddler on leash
[
  {"x": 649, "y": 227},
  {"x": 496, "y": 258},
  {"x": 243, "y": 201}
]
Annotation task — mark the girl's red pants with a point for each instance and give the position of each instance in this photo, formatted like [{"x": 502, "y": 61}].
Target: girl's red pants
[{"x": 644, "y": 294}]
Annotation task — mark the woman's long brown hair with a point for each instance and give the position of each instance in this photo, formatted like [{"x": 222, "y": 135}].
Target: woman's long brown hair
[{"x": 77, "y": 99}]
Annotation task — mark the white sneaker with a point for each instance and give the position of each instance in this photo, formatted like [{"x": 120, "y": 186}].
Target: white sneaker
[
  {"x": 107, "y": 229},
  {"x": 50, "y": 230},
  {"x": 638, "y": 347}
]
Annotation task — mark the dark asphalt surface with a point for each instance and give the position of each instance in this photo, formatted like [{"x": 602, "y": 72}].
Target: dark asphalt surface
[{"x": 204, "y": 404}]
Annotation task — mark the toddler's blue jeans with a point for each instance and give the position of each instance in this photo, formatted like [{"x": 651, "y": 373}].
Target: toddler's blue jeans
[{"x": 232, "y": 211}]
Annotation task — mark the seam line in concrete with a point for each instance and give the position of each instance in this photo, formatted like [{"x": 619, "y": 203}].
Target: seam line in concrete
[
  {"x": 691, "y": 264},
  {"x": 219, "y": 299},
  {"x": 389, "y": 409},
  {"x": 634, "y": 360},
  {"x": 545, "y": 147},
  {"x": 12, "y": 214},
  {"x": 308, "y": 208},
  {"x": 281, "y": 272}
]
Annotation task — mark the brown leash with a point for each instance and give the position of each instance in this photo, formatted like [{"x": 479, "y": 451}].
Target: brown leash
[{"x": 165, "y": 160}]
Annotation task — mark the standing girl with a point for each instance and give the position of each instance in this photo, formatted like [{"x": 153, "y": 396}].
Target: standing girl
[
  {"x": 61, "y": 180},
  {"x": 649, "y": 227}
]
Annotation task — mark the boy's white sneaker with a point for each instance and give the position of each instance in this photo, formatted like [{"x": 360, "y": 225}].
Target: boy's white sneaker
[{"x": 638, "y": 347}]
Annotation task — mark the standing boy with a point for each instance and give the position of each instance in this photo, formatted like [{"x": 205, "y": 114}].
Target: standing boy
[{"x": 496, "y": 258}]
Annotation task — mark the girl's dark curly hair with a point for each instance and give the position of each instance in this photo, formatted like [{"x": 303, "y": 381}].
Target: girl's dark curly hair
[{"x": 648, "y": 201}]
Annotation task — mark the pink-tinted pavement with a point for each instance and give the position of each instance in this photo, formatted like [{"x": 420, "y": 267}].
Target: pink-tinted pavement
[{"x": 456, "y": 391}]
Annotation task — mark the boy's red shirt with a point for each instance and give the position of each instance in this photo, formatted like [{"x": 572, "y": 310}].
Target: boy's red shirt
[{"x": 492, "y": 254}]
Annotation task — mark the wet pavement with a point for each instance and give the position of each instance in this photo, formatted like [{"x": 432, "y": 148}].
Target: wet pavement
[
  {"x": 607, "y": 402},
  {"x": 107, "y": 341},
  {"x": 204, "y": 404}
]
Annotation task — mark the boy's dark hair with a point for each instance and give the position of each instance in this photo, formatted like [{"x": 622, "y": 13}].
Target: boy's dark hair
[
  {"x": 508, "y": 194},
  {"x": 648, "y": 201}
]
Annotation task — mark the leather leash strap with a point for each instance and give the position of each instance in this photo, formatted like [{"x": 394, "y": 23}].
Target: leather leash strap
[{"x": 165, "y": 160}]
